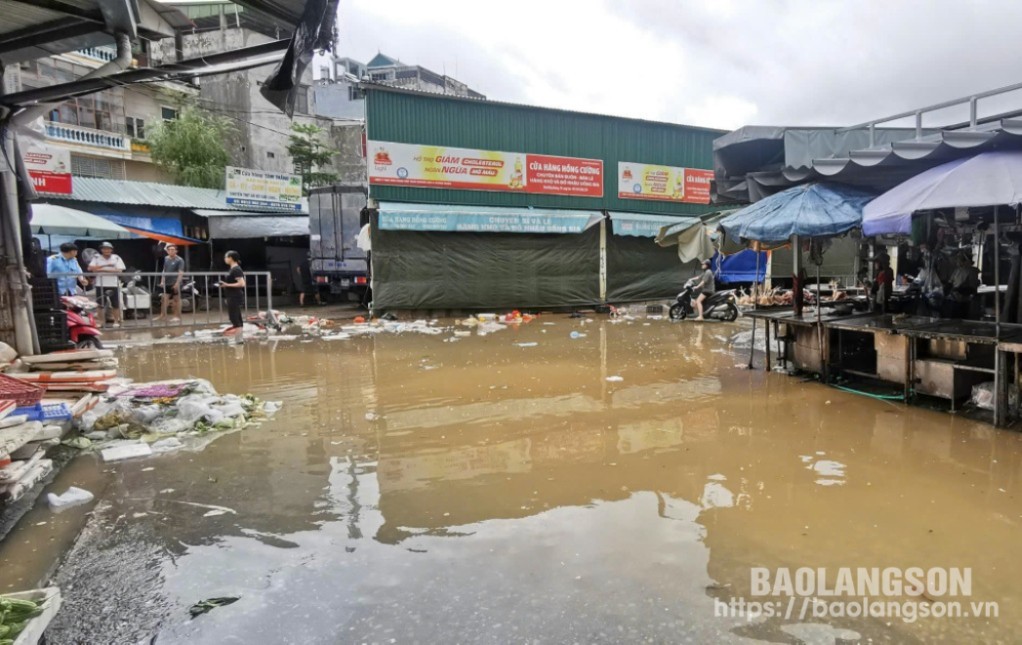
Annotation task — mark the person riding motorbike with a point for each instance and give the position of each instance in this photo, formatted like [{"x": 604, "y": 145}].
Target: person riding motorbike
[{"x": 704, "y": 287}]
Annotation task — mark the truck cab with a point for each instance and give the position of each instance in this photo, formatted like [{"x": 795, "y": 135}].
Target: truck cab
[{"x": 336, "y": 215}]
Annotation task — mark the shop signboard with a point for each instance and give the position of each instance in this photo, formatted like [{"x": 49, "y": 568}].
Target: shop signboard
[
  {"x": 259, "y": 189},
  {"x": 421, "y": 166},
  {"x": 49, "y": 168},
  {"x": 456, "y": 222},
  {"x": 663, "y": 183}
]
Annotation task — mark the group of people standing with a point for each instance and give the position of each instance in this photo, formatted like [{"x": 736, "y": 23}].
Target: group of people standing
[
  {"x": 66, "y": 269},
  {"x": 946, "y": 285}
]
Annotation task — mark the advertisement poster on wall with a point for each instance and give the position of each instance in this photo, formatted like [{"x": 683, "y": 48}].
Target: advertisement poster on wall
[
  {"x": 255, "y": 188},
  {"x": 49, "y": 168},
  {"x": 420, "y": 166},
  {"x": 663, "y": 183}
]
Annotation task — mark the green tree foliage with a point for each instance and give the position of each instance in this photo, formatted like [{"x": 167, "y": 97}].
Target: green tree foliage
[
  {"x": 192, "y": 147},
  {"x": 310, "y": 155}
]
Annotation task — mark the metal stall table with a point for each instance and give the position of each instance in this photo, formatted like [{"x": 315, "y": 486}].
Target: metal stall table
[
  {"x": 889, "y": 357},
  {"x": 807, "y": 351},
  {"x": 948, "y": 357}
]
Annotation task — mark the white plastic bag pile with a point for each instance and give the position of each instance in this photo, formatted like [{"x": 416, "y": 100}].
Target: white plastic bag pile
[{"x": 123, "y": 425}]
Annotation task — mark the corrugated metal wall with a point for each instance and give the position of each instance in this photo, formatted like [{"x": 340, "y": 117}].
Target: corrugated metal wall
[{"x": 436, "y": 120}]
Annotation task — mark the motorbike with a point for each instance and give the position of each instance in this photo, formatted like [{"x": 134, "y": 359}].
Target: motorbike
[
  {"x": 192, "y": 298},
  {"x": 81, "y": 324},
  {"x": 720, "y": 306}
]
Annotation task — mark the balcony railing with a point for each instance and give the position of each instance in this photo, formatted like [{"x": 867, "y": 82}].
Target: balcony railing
[
  {"x": 87, "y": 136},
  {"x": 104, "y": 54}
]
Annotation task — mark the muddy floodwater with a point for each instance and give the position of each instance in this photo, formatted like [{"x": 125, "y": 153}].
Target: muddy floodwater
[{"x": 523, "y": 486}]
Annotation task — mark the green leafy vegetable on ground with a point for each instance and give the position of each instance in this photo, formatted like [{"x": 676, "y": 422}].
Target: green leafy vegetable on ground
[{"x": 210, "y": 604}]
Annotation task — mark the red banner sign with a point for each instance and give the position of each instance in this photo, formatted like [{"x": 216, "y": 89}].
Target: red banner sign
[
  {"x": 49, "y": 168},
  {"x": 403, "y": 164}
]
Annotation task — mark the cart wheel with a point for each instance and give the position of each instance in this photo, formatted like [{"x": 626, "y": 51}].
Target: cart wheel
[{"x": 677, "y": 312}]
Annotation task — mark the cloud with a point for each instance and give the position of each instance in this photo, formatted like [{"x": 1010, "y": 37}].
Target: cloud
[{"x": 724, "y": 63}]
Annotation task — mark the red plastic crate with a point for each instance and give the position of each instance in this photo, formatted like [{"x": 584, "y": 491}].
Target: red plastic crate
[{"x": 23, "y": 394}]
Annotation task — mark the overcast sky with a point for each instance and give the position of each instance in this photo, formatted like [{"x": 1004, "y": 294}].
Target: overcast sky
[{"x": 716, "y": 63}]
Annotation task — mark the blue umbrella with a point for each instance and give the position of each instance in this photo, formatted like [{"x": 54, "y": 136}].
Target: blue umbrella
[
  {"x": 808, "y": 210},
  {"x": 987, "y": 179}
]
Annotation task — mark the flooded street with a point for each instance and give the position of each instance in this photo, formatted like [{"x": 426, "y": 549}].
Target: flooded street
[{"x": 522, "y": 486}]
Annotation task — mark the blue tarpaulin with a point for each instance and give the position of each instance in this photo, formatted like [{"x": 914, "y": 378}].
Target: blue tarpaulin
[
  {"x": 810, "y": 210},
  {"x": 741, "y": 267},
  {"x": 162, "y": 225}
]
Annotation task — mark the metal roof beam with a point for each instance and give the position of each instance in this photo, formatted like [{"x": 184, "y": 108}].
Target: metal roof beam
[
  {"x": 42, "y": 34},
  {"x": 191, "y": 67},
  {"x": 120, "y": 16},
  {"x": 58, "y": 6}
]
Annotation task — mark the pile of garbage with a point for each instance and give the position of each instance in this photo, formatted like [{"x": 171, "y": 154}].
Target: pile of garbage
[
  {"x": 141, "y": 419},
  {"x": 385, "y": 326}
]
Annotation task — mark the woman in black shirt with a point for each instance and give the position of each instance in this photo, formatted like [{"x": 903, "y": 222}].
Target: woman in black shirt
[{"x": 234, "y": 290}]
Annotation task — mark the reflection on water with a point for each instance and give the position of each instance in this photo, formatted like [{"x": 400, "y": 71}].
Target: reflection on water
[{"x": 479, "y": 490}]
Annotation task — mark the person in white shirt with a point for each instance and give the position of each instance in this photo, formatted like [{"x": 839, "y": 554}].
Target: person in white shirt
[{"x": 108, "y": 287}]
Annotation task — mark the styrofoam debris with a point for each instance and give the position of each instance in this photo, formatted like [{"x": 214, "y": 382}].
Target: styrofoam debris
[
  {"x": 14, "y": 491},
  {"x": 73, "y": 496},
  {"x": 49, "y": 432},
  {"x": 167, "y": 445},
  {"x": 126, "y": 451},
  {"x": 272, "y": 407}
]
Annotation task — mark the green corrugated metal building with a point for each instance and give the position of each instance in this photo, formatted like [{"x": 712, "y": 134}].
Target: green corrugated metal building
[{"x": 457, "y": 264}]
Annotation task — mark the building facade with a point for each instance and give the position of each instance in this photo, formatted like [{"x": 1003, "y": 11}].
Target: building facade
[
  {"x": 105, "y": 133},
  {"x": 263, "y": 131},
  {"x": 338, "y": 95},
  {"x": 480, "y": 204}
]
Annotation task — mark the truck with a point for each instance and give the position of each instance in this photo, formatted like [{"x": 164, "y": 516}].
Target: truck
[{"x": 336, "y": 215}]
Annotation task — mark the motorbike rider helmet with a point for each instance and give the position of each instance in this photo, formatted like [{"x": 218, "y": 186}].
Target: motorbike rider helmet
[{"x": 106, "y": 245}]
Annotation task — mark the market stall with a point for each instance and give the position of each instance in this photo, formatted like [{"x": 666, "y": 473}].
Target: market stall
[{"x": 813, "y": 212}]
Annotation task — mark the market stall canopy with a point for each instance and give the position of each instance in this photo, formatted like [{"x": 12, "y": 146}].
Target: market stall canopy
[
  {"x": 483, "y": 219},
  {"x": 986, "y": 179},
  {"x": 51, "y": 219},
  {"x": 699, "y": 238},
  {"x": 643, "y": 225},
  {"x": 809, "y": 210}
]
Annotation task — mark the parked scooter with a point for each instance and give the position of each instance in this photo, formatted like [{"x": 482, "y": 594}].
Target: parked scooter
[
  {"x": 720, "y": 306},
  {"x": 136, "y": 300},
  {"x": 81, "y": 324},
  {"x": 192, "y": 298}
]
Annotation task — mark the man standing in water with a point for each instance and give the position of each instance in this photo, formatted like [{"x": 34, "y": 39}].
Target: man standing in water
[
  {"x": 173, "y": 278},
  {"x": 108, "y": 287},
  {"x": 234, "y": 285},
  {"x": 704, "y": 288}
]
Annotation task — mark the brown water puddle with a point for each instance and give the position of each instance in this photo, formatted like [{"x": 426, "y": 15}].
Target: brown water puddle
[{"x": 426, "y": 490}]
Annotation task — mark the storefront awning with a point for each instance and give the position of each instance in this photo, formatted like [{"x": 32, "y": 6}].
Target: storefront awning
[
  {"x": 177, "y": 240},
  {"x": 51, "y": 219},
  {"x": 162, "y": 225},
  {"x": 483, "y": 219},
  {"x": 253, "y": 225},
  {"x": 641, "y": 225}
]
